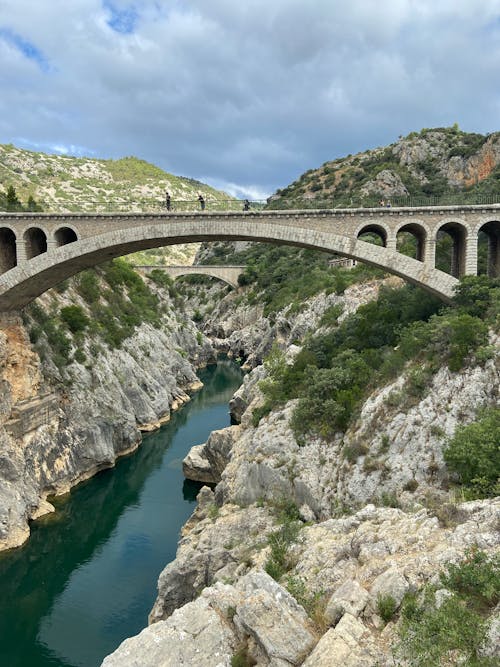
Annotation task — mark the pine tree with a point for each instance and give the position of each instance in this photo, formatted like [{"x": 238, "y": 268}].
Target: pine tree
[{"x": 13, "y": 203}]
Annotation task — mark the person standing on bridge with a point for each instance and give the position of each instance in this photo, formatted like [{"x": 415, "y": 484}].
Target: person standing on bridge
[
  {"x": 168, "y": 201},
  {"x": 202, "y": 201},
  {"x": 246, "y": 205}
]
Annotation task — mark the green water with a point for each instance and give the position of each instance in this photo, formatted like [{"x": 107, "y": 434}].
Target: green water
[{"x": 87, "y": 577}]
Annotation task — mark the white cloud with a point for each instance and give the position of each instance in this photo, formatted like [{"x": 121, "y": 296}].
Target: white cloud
[{"x": 253, "y": 92}]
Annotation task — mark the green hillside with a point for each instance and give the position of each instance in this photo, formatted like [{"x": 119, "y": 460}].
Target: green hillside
[
  {"x": 441, "y": 164},
  {"x": 71, "y": 184}
]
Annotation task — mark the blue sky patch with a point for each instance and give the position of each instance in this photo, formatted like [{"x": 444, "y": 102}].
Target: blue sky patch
[
  {"x": 123, "y": 21},
  {"x": 25, "y": 47}
]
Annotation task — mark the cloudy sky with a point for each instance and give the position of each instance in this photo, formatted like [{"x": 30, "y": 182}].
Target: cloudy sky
[{"x": 243, "y": 94}]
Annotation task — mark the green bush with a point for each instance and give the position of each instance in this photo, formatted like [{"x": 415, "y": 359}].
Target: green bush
[
  {"x": 87, "y": 285},
  {"x": 75, "y": 318},
  {"x": 454, "y": 633},
  {"x": 386, "y": 607},
  {"x": 476, "y": 579},
  {"x": 280, "y": 542},
  {"x": 474, "y": 455}
]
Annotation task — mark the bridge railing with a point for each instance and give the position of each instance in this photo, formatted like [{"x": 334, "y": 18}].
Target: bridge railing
[{"x": 273, "y": 204}]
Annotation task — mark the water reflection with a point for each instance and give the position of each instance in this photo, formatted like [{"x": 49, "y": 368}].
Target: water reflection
[{"x": 86, "y": 579}]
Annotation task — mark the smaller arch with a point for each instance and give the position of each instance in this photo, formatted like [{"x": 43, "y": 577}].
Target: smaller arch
[
  {"x": 8, "y": 249},
  {"x": 451, "y": 241},
  {"x": 411, "y": 238},
  {"x": 65, "y": 235},
  {"x": 489, "y": 248},
  {"x": 373, "y": 229},
  {"x": 35, "y": 242}
]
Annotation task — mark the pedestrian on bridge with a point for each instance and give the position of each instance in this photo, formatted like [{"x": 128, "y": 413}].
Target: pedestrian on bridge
[
  {"x": 246, "y": 205},
  {"x": 168, "y": 201},
  {"x": 202, "y": 201}
]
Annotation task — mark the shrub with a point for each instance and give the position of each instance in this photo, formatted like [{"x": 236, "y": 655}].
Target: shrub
[
  {"x": 280, "y": 541},
  {"x": 87, "y": 285},
  {"x": 454, "y": 633},
  {"x": 331, "y": 315},
  {"x": 386, "y": 607},
  {"x": 75, "y": 318},
  {"x": 474, "y": 455},
  {"x": 313, "y": 603},
  {"x": 476, "y": 579},
  {"x": 80, "y": 356}
]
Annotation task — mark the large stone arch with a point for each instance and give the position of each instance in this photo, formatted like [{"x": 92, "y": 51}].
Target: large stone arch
[
  {"x": 21, "y": 285},
  {"x": 227, "y": 274}
]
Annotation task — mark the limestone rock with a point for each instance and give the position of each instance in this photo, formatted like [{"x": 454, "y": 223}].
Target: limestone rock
[
  {"x": 273, "y": 618},
  {"x": 99, "y": 417},
  {"x": 194, "y": 635},
  {"x": 390, "y": 583},
  {"x": 349, "y": 644},
  {"x": 349, "y": 598},
  {"x": 386, "y": 183},
  {"x": 209, "y": 545},
  {"x": 195, "y": 466}
]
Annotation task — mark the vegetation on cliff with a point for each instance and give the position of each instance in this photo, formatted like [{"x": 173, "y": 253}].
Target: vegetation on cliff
[
  {"x": 403, "y": 330},
  {"x": 112, "y": 301},
  {"x": 433, "y": 163},
  {"x": 454, "y": 630}
]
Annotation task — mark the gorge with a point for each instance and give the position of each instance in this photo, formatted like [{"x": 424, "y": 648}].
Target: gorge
[{"x": 333, "y": 504}]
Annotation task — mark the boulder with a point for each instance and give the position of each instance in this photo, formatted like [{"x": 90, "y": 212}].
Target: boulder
[
  {"x": 349, "y": 598},
  {"x": 349, "y": 644}
]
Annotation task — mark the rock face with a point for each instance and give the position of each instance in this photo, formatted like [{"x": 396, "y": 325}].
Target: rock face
[
  {"x": 421, "y": 164},
  {"x": 356, "y": 550},
  {"x": 216, "y": 544},
  {"x": 391, "y": 450},
  {"x": 243, "y": 331},
  {"x": 257, "y": 613},
  {"x": 348, "y": 562},
  {"x": 99, "y": 412}
]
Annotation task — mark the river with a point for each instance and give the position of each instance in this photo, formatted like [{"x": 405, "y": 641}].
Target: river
[{"x": 86, "y": 578}]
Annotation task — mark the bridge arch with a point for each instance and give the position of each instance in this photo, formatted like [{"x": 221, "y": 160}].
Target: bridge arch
[
  {"x": 419, "y": 231},
  {"x": 378, "y": 228},
  {"x": 491, "y": 229},
  {"x": 226, "y": 274},
  {"x": 8, "y": 249},
  {"x": 23, "y": 283},
  {"x": 458, "y": 234},
  {"x": 35, "y": 242},
  {"x": 65, "y": 235}
]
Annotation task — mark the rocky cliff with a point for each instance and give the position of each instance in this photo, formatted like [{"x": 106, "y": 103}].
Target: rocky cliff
[
  {"x": 430, "y": 163},
  {"x": 342, "y": 524},
  {"x": 61, "y": 424}
]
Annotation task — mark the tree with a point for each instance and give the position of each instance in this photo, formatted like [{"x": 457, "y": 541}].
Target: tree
[
  {"x": 33, "y": 204},
  {"x": 13, "y": 203}
]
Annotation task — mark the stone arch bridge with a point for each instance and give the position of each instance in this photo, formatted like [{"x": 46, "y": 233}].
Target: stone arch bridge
[
  {"x": 39, "y": 250},
  {"x": 228, "y": 274}
]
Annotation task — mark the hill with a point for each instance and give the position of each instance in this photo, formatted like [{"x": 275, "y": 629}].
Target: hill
[
  {"x": 65, "y": 184},
  {"x": 433, "y": 163},
  {"x": 70, "y": 184}
]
